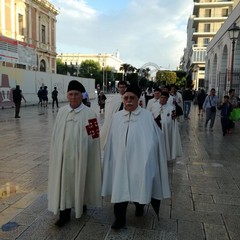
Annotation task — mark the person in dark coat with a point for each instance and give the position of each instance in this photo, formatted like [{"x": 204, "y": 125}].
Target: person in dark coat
[
  {"x": 226, "y": 107},
  {"x": 45, "y": 96},
  {"x": 54, "y": 97},
  {"x": 101, "y": 101},
  {"x": 17, "y": 98},
  {"x": 40, "y": 96},
  {"x": 200, "y": 100},
  {"x": 188, "y": 97}
]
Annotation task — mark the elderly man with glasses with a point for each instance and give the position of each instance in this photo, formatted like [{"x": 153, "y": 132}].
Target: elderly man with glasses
[{"x": 134, "y": 162}]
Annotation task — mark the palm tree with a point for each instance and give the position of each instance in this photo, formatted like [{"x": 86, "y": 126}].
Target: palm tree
[{"x": 126, "y": 68}]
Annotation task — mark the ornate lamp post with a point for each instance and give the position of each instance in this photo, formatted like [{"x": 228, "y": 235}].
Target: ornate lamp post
[
  {"x": 103, "y": 74},
  {"x": 233, "y": 32}
]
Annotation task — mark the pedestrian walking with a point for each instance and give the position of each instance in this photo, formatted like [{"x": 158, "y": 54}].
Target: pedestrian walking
[
  {"x": 85, "y": 99},
  {"x": 55, "y": 97},
  {"x": 115, "y": 105},
  {"x": 75, "y": 158},
  {"x": 201, "y": 95},
  {"x": 157, "y": 93},
  {"x": 17, "y": 98},
  {"x": 234, "y": 100},
  {"x": 45, "y": 96},
  {"x": 40, "y": 96},
  {"x": 188, "y": 97},
  {"x": 226, "y": 108},
  {"x": 101, "y": 101},
  {"x": 134, "y": 162},
  {"x": 210, "y": 107},
  {"x": 165, "y": 116}
]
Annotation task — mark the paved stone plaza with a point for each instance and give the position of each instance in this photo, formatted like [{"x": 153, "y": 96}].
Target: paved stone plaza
[{"x": 205, "y": 186}]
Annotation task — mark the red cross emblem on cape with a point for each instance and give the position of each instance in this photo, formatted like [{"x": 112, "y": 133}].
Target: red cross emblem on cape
[{"x": 92, "y": 128}]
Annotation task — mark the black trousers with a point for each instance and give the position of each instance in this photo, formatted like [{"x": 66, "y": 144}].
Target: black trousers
[
  {"x": 120, "y": 210},
  {"x": 17, "y": 108},
  {"x": 226, "y": 124},
  {"x": 54, "y": 100}
]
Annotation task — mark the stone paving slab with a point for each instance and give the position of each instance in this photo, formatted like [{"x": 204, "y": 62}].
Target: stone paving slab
[{"x": 205, "y": 186}]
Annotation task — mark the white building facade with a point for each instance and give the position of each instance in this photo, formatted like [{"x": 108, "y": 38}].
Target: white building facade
[
  {"x": 104, "y": 59},
  {"x": 221, "y": 73},
  {"x": 207, "y": 18}
]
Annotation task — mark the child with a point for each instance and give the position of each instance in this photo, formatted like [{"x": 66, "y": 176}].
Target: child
[{"x": 226, "y": 108}]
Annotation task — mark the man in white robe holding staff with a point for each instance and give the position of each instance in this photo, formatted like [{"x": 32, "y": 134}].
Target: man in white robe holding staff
[
  {"x": 165, "y": 116},
  {"x": 75, "y": 158},
  {"x": 134, "y": 162}
]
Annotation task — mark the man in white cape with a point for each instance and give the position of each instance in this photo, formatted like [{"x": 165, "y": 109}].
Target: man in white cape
[
  {"x": 134, "y": 162},
  {"x": 165, "y": 116},
  {"x": 112, "y": 106},
  {"x": 75, "y": 158},
  {"x": 157, "y": 93}
]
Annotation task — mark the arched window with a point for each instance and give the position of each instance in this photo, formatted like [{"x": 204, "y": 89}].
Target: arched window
[{"x": 43, "y": 66}]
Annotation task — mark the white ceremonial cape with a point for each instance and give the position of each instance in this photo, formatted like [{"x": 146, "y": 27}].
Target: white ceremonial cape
[
  {"x": 75, "y": 161},
  {"x": 178, "y": 99},
  {"x": 134, "y": 163},
  {"x": 112, "y": 107},
  {"x": 150, "y": 103},
  {"x": 170, "y": 129}
]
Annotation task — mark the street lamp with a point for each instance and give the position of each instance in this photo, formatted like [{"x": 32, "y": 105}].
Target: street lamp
[
  {"x": 103, "y": 80},
  {"x": 233, "y": 33}
]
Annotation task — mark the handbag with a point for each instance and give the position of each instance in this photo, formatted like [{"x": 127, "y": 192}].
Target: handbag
[{"x": 179, "y": 111}]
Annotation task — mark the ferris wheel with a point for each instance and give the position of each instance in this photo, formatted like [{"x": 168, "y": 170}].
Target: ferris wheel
[{"x": 152, "y": 69}]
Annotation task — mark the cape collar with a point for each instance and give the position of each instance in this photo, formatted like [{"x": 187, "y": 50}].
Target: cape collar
[
  {"x": 76, "y": 110},
  {"x": 131, "y": 116},
  {"x": 135, "y": 112}
]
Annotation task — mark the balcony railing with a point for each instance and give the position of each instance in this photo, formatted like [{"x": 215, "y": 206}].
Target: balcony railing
[
  {"x": 198, "y": 54},
  {"x": 212, "y": 1}
]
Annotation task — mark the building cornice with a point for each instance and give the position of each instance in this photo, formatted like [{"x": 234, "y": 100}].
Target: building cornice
[{"x": 46, "y": 4}]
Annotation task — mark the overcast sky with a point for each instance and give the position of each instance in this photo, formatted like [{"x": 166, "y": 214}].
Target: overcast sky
[{"x": 141, "y": 30}]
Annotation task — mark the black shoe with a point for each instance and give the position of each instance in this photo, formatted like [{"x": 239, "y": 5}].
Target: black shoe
[
  {"x": 139, "y": 212},
  {"x": 118, "y": 225},
  {"x": 17, "y": 117},
  {"x": 84, "y": 208},
  {"x": 61, "y": 222},
  {"x": 64, "y": 217}
]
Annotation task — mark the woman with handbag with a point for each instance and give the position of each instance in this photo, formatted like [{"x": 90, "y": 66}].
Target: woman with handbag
[{"x": 210, "y": 107}]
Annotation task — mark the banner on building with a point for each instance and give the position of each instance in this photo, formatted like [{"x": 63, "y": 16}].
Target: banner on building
[{"x": 17, "y": 52}]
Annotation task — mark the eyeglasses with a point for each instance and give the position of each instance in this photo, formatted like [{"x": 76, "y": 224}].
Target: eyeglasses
[{"x": 129, "y": 97}]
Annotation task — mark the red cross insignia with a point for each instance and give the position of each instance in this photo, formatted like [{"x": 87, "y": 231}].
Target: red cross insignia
[{"x": 92, "y": 128}]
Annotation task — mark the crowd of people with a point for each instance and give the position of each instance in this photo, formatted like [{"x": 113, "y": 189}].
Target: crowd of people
[
  {"x": 127, "y": 158},
  {"x": 136, "y": 143}
]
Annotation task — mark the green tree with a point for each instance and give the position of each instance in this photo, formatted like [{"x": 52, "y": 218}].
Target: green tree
[
  {"x": 132, "y": 78},
  {"x": 166, "y": 77},
  {"x": 61, "y": 67},
  {"x": 88, "y": 68},
  {"x": 72, "y": 70},
  {"x": 127, "y": 69},
  {"x": 143, "y": 77},
  {"x": 181, "y": 78}
]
